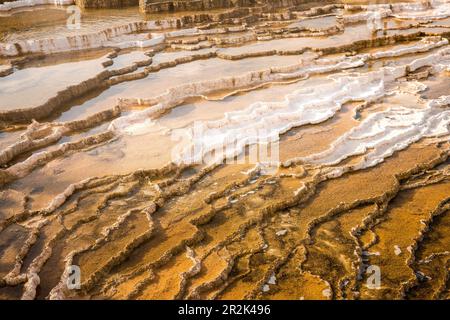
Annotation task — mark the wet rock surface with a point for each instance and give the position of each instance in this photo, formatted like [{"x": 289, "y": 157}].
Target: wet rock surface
[{"x": 109, "y": 156}]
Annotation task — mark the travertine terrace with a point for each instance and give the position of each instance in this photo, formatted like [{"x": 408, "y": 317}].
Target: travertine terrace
[{"x": 110, "y": 122}]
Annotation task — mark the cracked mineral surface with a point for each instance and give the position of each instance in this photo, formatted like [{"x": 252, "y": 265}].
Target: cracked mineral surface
[{"x": 225, "y": 149}]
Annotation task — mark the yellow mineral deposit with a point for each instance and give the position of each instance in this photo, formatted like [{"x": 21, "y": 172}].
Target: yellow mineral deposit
[{"x": 225, "y": 150}]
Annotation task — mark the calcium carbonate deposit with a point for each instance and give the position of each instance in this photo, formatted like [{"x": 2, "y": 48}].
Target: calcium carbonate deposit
[{"x": 225, "y": 150}]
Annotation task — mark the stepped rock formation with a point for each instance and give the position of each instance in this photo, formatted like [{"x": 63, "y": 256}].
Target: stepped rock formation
[
  {"x": 191, "y": 5},
  {"x": 97, "y": 4},
  {"x": 231, "y": 150},
  {"x": 153, "y": 6}
]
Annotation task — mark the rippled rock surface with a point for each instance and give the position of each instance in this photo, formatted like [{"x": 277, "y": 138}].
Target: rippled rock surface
[{"x": 225, "y": 150}]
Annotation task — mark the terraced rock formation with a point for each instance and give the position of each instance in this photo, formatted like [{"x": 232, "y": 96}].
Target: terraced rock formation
[
  {"x": 260, "y": 150},
  {"x": 191, "y": 5},
  {"x": 97, "y": 4}
]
